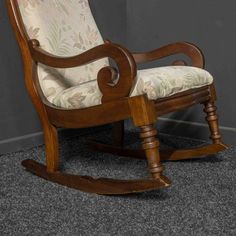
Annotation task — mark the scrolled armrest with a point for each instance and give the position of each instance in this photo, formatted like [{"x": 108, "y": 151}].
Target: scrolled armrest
[
  {"x": 192, "y": 51},
  {"x": 122, "y": 57}
]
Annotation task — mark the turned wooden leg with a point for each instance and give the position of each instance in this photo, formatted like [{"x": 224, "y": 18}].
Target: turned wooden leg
[
  {"x": 151, "y": 145},
  {"x": 52, "y": 148},
  {"x": 118, "y": 133},
  {"x": 212, "y": 119}
]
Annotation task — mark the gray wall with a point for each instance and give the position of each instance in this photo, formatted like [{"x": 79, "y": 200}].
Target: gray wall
[
  {"x": 148, "y": 24},
  {"x": 208, "y": 23},
  {"x": 18, "y": 118},
  {"x": 111, "y": 18}
]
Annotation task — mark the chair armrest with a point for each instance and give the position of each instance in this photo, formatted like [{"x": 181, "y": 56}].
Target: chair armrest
[
  {"x": 127, "y": 68},
  {"x": 192, "y": 51}
]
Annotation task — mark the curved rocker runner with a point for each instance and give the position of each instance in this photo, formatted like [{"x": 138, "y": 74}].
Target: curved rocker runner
[
  {"x": 72, "y": 85},
  {"x": 100, "y": 186}
]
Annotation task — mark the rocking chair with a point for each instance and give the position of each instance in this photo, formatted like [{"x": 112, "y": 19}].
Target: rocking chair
[{"x": 72, "y": 85}]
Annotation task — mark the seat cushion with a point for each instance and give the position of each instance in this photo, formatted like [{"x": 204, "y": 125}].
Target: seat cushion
[
  {"x": 163, "y": 82},
  {"x": 80, "y": 96},
  {"x": 157, "y": 83}
]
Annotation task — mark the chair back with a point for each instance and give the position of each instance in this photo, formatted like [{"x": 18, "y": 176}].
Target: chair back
[{"x": 64, "y": 28}]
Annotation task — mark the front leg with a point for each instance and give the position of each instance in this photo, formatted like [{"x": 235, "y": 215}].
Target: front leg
[
  {"x": 151, "y": 145},
  {"x": 144, "y": 116}
]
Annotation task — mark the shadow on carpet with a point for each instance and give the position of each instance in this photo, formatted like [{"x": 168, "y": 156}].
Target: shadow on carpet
[{"x": 201, "y": 200}]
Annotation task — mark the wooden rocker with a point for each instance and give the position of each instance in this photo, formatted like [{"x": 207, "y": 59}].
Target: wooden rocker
[{"x": 72, "y": 85}]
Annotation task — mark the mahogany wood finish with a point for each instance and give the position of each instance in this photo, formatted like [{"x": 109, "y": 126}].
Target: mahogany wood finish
[
  {"x": 212, "y": 120},
  {"x": 151, "y": 147},
  {"x": 118, "y": 133},
  {"x": 115, "y": 108},
  {"x": 102, "y": 186},
  {"x": 165, "y": 155},
  {"x": 190, "y": 50},
  {"x": 123, "y": 58}
]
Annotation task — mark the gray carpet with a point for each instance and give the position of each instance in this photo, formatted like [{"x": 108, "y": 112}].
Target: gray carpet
[{"x": 201, "y": 200}]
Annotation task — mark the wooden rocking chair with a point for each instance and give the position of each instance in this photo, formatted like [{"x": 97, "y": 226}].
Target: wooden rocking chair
[{"x": 72, "y": 85}]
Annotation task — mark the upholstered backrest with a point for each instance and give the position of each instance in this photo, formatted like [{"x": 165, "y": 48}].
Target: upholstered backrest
[{"x": 63, "y": 28}]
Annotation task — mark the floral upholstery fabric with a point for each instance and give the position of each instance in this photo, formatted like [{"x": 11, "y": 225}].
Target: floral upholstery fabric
[
  {"x": 80, "y": 96},
  {"x": 156, "y": 83},
  {"x": 163, "y": 82},
  {"x": 64, "y": 28},
  {"x": 67, "y": 28}
]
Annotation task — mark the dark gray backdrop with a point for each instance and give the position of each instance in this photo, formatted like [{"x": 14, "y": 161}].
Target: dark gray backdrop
[
  {"x": 139, "y": 25},
  {"x": 208, "y": 23}
]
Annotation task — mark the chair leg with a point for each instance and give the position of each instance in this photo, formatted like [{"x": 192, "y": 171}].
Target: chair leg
[
  {"x": 212, "y": 119},
  {"x": 144, "y": 116},
  {"x": 151, "y": 145},
  {"x": 118, "y": 133},
  {"x": 52, "y": 148}
]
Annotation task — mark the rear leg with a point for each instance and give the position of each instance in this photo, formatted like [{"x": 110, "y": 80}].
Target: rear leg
[
  {"x": 52, "y": 148},
  {"x": 118, "y": 133},
  {"x": 212, "y": 118}
]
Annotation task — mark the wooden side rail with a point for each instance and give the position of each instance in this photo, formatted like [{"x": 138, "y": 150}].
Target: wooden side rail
[
  {"x": 192, "y": 51},
  {"x": 123, "y": 58}
]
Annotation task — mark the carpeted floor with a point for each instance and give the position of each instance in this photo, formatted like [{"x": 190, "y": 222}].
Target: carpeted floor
[{"x": 201, "y": 200}]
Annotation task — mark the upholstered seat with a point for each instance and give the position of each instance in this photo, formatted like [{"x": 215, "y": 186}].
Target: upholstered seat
[{"x": 156, "y": 83}]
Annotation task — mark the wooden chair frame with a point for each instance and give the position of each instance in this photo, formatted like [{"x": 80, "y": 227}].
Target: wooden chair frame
[{"x": 115, "y": 108}]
